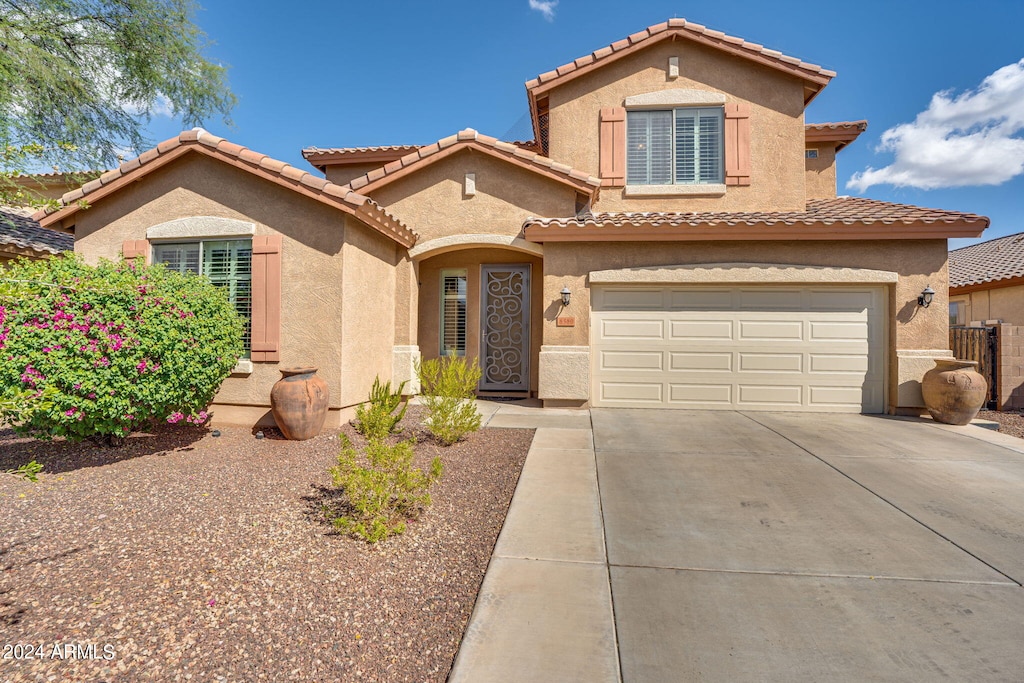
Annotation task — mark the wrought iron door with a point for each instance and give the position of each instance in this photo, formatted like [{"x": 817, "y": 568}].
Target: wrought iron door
[{"x": 505, "y": 333}]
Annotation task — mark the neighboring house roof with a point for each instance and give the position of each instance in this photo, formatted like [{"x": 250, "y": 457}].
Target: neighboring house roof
[
  {"x": 470, "y": 139},
  {"x": 840, "y": 132},
  {"x": 996, "y": 263},
  {"x": 839, "y": 218},
  {"x": 18, "y": 230},
  {"x": 334, "y": 156},
  {"x": 200, "y": 141}
]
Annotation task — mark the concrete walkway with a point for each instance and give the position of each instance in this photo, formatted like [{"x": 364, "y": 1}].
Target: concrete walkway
[{"x": 669, "y": 546}]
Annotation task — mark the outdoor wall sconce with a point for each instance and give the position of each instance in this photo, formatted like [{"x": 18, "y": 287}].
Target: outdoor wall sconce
[
  {"x": 925, "y": 300},
  {"x": 565, "y": 297}
]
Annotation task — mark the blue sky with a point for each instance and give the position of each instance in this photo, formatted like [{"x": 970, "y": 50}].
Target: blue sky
[{"x": 335, "y": 74}]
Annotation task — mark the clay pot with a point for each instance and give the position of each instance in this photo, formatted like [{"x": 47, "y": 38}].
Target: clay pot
[
  {"x": 299, "y": 403},
  {"x": 954, "y": 391}
]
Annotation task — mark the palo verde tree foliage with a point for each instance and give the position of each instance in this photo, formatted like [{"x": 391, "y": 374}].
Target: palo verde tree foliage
[
  {"x": 80, "y": 79},
  {"x": 110, "y": 347}
]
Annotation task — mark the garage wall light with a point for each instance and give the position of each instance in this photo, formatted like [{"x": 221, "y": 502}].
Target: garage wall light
[
  {"x": 925, "y": 300},
  {"x": 566, "y": 294}
]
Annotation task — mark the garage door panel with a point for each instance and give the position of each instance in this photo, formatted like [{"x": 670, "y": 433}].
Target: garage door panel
[
  {"x": 700, "y": 300},
  {"x": 744, "y": 347},
  {"x": 857, "y": 364},
  {"x": 829, "y": 331},
  {"x": 701, "y": 361},
  {"x": 764, "y": 330},
  {"x": 701, "y": 329},
  {"x": 631, "y": 360},
  {"x": 700, "y": 394},
  {"x": 788, "y": 395},
  {"x": 771, "y": 362},
  {"x": 632, "y": 392},
  {"x": 632, "y": 329}
]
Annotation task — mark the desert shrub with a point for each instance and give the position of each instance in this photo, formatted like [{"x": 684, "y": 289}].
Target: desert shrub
[
  {"x": 385, "y": 492},
  {"x": 377, "y": 418},
  {"x": 112, "y": 346},
  {"x": 448, "y": 386}
]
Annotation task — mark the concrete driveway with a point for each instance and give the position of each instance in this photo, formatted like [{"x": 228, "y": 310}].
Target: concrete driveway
[{"x": 672, "y": 546}]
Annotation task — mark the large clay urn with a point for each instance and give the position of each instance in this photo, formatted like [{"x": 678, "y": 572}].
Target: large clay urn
[
  {"x": 299, "y": 403},
  {"x": 954, "y": 391}
]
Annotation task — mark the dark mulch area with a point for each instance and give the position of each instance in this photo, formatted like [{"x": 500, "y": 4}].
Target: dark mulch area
[
  {"x": 208, "y": 559},
  {"x": 1010, "y": 422}
]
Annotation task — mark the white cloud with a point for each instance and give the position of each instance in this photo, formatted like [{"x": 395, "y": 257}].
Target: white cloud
[
  {"x": 973, "y": 138},
  {"x": 545, "y": 7}
]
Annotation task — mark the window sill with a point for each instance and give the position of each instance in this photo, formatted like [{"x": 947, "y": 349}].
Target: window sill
[
  {"x": 675, "y": 190},
  {"x": 242, "y": 367}
]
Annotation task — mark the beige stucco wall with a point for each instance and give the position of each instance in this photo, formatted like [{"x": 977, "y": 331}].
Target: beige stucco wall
[
  {"x": 917, "y": 262},
  {"x": 317, "y": 243},
  {"x": 777, "y": 123},
  {"x": 821, "y": 172},
  {"x": 471, "y": 259},
  {"x": 1000, "y": 303},
  {"x": 342, "y": 174},
  {"x": 432, "y": 200}
]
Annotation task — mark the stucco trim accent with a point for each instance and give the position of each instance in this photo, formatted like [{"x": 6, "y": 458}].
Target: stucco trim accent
[
  {"x": 404, "y": 360},
  {"x": 676, "y": 97},
  {"x": 448, "y": 243},
  {"x": 911, "y": 365},
  {"x": 201, "y": 226},
  {"x": 564, "y": 373},
  {"x": 774, "y": 273},
  {"x": 244, "y": 366},
  {"x": 708, "y": 190}
]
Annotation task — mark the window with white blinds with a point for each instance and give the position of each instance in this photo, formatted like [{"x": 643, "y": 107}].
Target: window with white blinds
[
  {"x": 453, "y": 312},
  {"x": 675, "y": 146},
  {"x": 228, "y": 264}
]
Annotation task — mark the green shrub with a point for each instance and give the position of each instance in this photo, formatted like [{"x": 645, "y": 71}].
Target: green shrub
[
  {"x": 448, "y": 392},
  {"x": 112, "y": 347},
  {"x": 383, "y": 494},
  {"x": 377, "y": 419}
]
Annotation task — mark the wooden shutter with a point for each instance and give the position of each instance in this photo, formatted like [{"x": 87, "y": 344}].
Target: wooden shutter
[
  {"x": 613, "y": 146},
  {"x": 266, "y": 299},
  {"x": 135, "y": 248},
  {"x": 737, "y": 143}
]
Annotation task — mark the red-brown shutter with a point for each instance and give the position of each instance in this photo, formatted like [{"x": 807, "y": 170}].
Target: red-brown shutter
[
  {"x": 135, "y": 248},
  {"x": 266, "y": 299},
  {"x": 613, "y": 146},
  {"x": 737, "y": 143}
]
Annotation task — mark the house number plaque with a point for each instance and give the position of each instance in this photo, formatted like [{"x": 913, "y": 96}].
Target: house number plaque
[{"x": 565, "y": 321}]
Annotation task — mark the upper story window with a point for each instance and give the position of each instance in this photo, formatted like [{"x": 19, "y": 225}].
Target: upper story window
[
  {"x": 228, "y": 264},
  {"x": 682, "y": 146}
]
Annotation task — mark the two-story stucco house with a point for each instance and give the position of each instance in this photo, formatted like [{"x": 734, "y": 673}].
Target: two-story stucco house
[{"x": 670, "y": 238}]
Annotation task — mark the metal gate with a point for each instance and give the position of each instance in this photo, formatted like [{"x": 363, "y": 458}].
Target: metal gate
[{"x": 980, "y": 345}]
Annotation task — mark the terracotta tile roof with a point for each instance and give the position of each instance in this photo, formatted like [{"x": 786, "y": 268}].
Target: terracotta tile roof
[
  {"x": 686, "y": 29},
  {"x": 841, "y": 210},
  {"x": 278, "y": 172},
  {"x": 988, "y": 262},
  {"x": 841, "y": 132},
  {"x": 469, "y": 138},
  {"x": 313, "y": 152},
  {"x": 19, "y": 230}
]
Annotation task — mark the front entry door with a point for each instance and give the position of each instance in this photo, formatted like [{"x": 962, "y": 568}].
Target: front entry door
[{"x": 505, "y": 334}]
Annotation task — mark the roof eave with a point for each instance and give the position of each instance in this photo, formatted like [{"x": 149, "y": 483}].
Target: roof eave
[
  {"x": 991, "y": 284},
  {"x": 760, "y": 231}
]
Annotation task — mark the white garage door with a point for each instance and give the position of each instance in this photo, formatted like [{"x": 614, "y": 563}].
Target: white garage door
[{"x": 739, "y": 348}]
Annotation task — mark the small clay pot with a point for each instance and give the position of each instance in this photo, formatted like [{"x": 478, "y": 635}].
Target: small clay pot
[
  {"x": 299, "y": 403},
  {"x": 954, "y": 391}
]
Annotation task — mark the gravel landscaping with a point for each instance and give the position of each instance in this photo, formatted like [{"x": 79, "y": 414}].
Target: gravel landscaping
[
  {"x": 1010, "y": 422},
  {"x": 183, "y": 556}
]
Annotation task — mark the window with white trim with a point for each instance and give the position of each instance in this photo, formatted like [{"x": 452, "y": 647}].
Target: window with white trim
[
  {"x": 453, "y": 312},
  {"x": 682, "y": 146},
  {"x": 228, "y": 264}
]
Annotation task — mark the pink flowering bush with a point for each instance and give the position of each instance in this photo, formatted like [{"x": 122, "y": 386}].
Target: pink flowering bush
[{"x": 112, "y": 347}]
